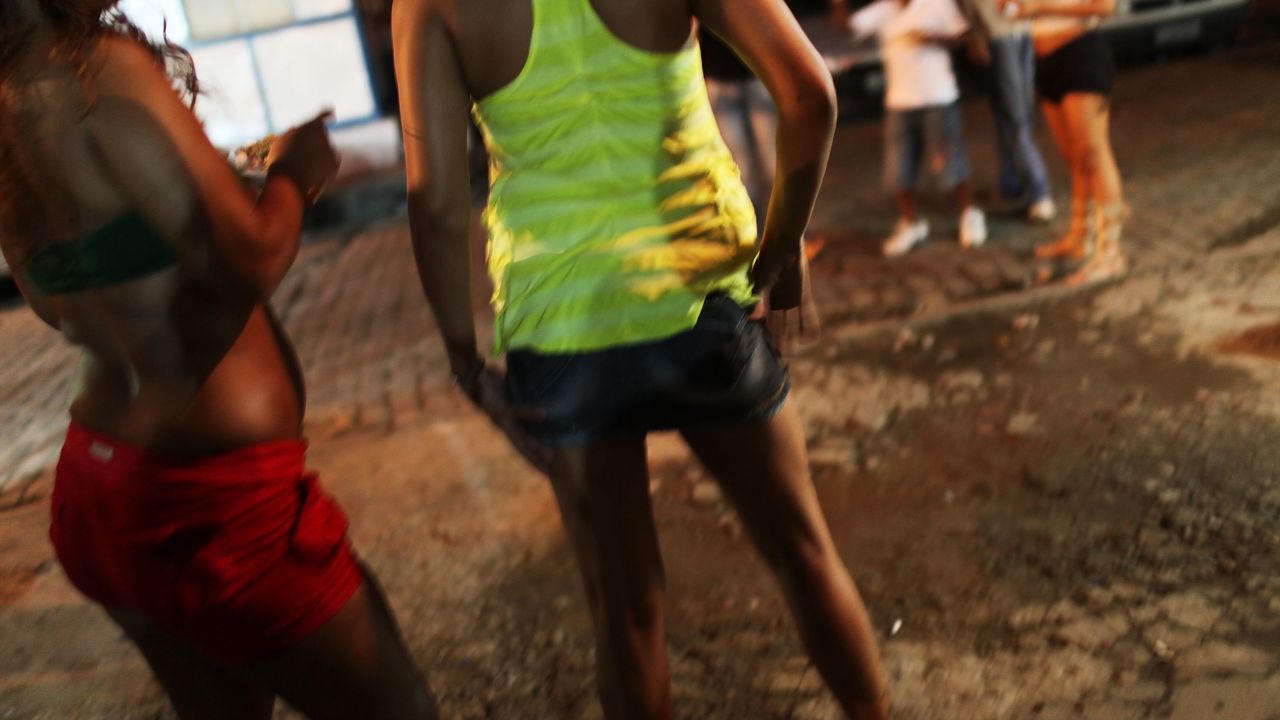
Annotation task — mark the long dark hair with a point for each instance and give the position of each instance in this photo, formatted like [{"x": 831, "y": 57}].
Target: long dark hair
[{"x": 77, "y": 26}]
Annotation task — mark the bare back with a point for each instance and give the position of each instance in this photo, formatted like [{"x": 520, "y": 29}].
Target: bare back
[
  {"x": 177, "y": 360},
  {"x": 493, "y": 35}
]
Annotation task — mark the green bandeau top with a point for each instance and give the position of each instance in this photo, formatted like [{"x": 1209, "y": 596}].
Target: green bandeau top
[
  {"x": 614, "y": 205},
  {"x": 124, "y": 249}
]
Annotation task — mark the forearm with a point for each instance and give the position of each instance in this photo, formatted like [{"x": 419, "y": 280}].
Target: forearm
[
  {"x": 442, "y": 252},
  {"x": 1069, "y": 8},
  {"x": 806, "y": 124},
  {"x": 272, "y": 250}
]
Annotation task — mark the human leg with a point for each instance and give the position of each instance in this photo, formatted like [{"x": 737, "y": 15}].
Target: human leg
[
  {"x": 1037, "y": 175},
  {"x": 1088, "y": 118},
  {"x": 1074, "y": 244},
  {"x": 903, "y": 153},
  {"x": 602, "y": 490},
  {"x": 945, "y": 139},
  {"x": 764, "y": 471},
  {"x": 1006, "y": 92},
  {"x": 355, "y": 665},
  {"x": 198, "y": 688}
]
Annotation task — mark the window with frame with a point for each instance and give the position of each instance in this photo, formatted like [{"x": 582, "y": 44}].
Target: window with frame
[{"x": 265, "y": 65}]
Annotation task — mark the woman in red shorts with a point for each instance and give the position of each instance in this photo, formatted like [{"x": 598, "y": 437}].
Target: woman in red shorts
[{"x": 181, "y": 502}]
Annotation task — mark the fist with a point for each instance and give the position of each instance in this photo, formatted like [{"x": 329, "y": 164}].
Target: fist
[{"x": 306, "y": 155}]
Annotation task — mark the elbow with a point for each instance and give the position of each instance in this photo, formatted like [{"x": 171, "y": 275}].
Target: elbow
[
  {"x": 816, "y": 102},
  {"x": 258, "y": 267},
  {"x": 805, "y": 95},
  {"x": 433, "y": 218}
]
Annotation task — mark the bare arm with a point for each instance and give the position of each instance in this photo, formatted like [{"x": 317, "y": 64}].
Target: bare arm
[
  {"x": 434, "y": 102},
  {"x": 157, "y": 154},
  {"x": 1066, "y": 8},
  {"x": 771, "y": 42},
  {"x": 40, "y": 303}
]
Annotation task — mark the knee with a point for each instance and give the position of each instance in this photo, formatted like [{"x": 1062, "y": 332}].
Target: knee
[
  {"x": 1089, "y": 157},
  {"x": 634, "y": 613},
  {"x": 803, "y": 561}
]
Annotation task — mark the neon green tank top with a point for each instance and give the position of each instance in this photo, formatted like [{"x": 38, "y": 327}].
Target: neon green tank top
[{"x": 614, "y": 205}]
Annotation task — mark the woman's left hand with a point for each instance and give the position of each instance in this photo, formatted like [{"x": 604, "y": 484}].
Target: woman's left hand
[
  {"x": 788, "y": 309},
  {"x": 487, "y": 388}
]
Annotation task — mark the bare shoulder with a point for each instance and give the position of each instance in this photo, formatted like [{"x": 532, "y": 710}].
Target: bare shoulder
[
  {"x": 125, "y": 56},
  {"x": 418, "y": 12}
]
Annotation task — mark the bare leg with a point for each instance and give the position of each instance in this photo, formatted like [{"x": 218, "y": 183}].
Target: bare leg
[
  {"x": 963, "y": 195},
  {"x": 603, "y": 494},
  {"x": 1087, "y": 118},
  {"x": 906, "y": 200},
  {"x": 355, "y": 665},
  {"x": 1074, "y": 244},
  {"x": 198, "y": 688},
  {"x": 764, "y": 470}
]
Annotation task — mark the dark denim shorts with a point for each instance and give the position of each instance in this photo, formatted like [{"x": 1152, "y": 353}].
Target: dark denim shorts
[{"x": 724, "y": 370}]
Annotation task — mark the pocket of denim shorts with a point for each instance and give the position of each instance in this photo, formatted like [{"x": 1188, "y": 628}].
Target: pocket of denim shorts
[{"x": 721, "y": 313}]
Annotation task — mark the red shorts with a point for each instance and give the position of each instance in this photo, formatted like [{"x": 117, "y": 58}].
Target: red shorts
[{"x": 241, "y": 554}]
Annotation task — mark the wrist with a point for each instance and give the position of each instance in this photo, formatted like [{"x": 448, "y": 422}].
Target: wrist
[
  {"x": 308, "y": 192},
  {"x": 467, "y": 375}
]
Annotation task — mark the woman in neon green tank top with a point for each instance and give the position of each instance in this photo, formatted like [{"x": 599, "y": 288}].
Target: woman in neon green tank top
[{"x": 624, "y": 258}]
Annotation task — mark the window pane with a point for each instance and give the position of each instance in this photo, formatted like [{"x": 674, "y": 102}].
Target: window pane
[
  {"x": 312, "y": 67},
  {"x": 264, "y": 14},
  {"x": 209, "y": 19},
  {"x": 320, "y": 8},
  {"x": 231, "y": 106}
]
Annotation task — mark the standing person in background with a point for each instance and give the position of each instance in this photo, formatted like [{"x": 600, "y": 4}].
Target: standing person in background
[
  {"x": 922, "y": 123},
  {"x": 1074, "y": 75},
  {"x": 626, "y": 263},
  {"x": 1004, "y": 48},
  {"x": 181, "y": 502}
]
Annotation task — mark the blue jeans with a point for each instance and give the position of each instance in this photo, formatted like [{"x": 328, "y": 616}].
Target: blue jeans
[
  {"x": 929, "y": 135},
  {"x": 1022, "y": 172}
]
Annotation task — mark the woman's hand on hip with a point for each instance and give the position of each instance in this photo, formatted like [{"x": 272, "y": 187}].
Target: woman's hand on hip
[{"x": 486, "y": 386}]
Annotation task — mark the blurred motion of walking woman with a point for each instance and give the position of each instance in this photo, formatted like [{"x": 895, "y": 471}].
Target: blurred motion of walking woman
[
  {"x": 624, "y": 254},
  {"x": 1074, "y": 76},
  {"x": 181, "y": 503}
]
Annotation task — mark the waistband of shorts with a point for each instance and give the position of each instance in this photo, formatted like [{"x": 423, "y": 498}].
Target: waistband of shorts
[{"x": 272, "y": 457}]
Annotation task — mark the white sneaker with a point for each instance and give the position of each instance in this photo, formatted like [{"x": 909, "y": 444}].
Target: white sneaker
[
  {"x": 973, "y": 227},
  {"x": 1042, "y": 211},
  {"x": 906, "y": 235}
]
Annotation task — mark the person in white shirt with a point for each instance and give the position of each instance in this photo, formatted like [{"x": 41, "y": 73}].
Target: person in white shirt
[{"x": 922, "y": 119}]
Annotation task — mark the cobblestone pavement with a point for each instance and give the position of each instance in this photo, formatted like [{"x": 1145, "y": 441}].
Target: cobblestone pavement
[{"x": 1057, "y": 506}]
